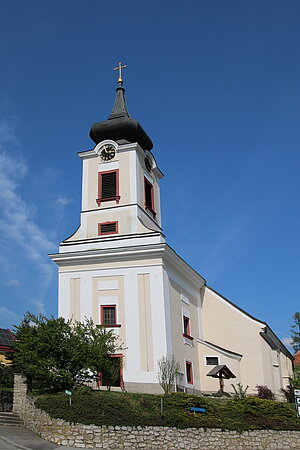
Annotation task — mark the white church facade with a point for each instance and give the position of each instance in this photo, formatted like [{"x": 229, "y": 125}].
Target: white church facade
[{"x": 118, "y": 270}]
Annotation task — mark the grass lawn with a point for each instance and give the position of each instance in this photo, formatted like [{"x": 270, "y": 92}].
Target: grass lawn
[{"x": 115, "y": 408}]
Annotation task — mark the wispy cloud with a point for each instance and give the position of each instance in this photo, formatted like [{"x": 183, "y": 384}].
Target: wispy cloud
[
  {"x": 6, "y": 313},
  {"x": 60, "y": 205},
  {"x": 228, "y": 235},
  {"x": 13, "y": 283},
  {"x": 287, "y": 342},
  {"x": 16, "y": 223},
  {"x": 228, "y": 247},
  {"x": 7, "y": 133},
  {"x": 15, "y": 220},
  {"x": 63, "y": 201},
  {"x": 40, "y": 305}
]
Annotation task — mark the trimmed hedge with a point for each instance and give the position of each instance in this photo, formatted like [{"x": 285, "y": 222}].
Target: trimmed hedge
[{"x": 114, "y": 408}]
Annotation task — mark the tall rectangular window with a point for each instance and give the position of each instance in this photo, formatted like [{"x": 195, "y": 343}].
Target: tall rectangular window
[
  {"x": 149, "y": 197},
  {"x": 108, "y": 186},
  {"x": 108, "y": 315},
  {"x": 189, "y": 372},
  {"x": 186, "y": 326}
]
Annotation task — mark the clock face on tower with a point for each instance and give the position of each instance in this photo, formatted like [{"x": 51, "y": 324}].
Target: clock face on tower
[
  {"x": 148, "y": 164},
  {"x": 107, "y": 152}
]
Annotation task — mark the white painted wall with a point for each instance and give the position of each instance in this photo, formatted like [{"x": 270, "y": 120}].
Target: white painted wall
[{"x": 132, "y": 372}]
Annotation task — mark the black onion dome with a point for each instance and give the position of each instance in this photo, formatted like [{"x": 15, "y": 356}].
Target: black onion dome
[{"x": 120, "y": 127}]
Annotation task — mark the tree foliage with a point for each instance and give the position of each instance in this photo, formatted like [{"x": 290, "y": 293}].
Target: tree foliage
[
  {"x": 110, "y": 372},
  {"x": 296, "y": 332},
  {"x": 239, "y": 391},
  {"x": 57, "y": 354},
  {"x": 6, "y": 377},
  {"x": 294, "y": 384},
  {"x": 168, "y": 369},
  {"x": 264, "y": 392}
]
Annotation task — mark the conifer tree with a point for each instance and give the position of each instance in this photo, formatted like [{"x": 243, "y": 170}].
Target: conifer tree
[{"x": 296, "y": 332}]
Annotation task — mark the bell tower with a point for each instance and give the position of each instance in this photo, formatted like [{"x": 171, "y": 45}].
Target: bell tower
[
  {"x": 111, "y": 268},
  {"x": 120, "y": 183}
]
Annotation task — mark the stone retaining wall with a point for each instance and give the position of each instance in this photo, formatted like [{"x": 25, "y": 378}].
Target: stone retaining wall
[{"x": 131, "y": 438}]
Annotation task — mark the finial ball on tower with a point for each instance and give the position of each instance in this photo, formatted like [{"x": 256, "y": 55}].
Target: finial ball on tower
[{"x": 119, "y": 68}]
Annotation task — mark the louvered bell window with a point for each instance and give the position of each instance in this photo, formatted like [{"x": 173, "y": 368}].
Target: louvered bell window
[
  {"x": 149, "y": 204},
  {"x": 108, "y": 228},
  {"x": 108, "y": 187}
]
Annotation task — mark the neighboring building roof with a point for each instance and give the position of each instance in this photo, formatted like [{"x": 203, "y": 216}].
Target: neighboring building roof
[
  {"x": 297, "y": 358},
  {"x": 221, "y": 371},
  {"x": 6, "y": 340}
]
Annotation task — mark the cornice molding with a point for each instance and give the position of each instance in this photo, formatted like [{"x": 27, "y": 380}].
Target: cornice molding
[
  {"x": 108, "y": 255},
  {"x": 178, "y": 264},
  {"x": 120, "y": 148},
  {"x": 150, "y": 251},
  {"x": 118, "y": 237}
]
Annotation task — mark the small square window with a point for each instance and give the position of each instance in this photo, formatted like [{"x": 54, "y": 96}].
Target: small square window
[
  {"x": 107, "y": 228},
  {"x": 189, "y": 372},
  {"x": 212, "y": 360},
  {"x": 108, "y": 315}
]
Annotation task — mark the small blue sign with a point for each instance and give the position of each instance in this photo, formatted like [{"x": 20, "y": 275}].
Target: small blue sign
[{"x": 198, "y": 410}]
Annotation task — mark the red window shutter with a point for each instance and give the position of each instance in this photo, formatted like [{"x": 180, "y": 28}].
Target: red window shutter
[
  {"x": 186, "y": 325},
  {"x": 189, "y": 372},
  {"x": 109, "y": 185},
  {"x": 149, "y": 197}
]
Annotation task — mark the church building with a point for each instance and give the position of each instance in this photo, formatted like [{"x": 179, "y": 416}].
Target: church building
[{"x": 118, "y": 269}]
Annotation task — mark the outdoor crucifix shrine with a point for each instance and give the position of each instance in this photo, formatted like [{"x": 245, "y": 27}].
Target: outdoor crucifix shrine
[{"x": 223, "y": 373}]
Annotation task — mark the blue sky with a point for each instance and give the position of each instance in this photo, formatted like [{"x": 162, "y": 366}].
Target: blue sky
[{"x": 216, "y": 86}]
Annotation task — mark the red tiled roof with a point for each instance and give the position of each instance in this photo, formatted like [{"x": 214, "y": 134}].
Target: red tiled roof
[
  {"x": 297, "y": 358},
  {"x": 6, "y": 339}
]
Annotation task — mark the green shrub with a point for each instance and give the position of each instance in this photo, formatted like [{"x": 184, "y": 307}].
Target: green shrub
[
  {"x": 145, "y": 402},
  {"x": 84, "y": 390},
  {"x": 239, "y": 391},
  {"x": 294, "y": 384},
  {"x": 289, "y": 393},
  {"x": 264, "y": 392},
  {"x": 117, "y": 408}
]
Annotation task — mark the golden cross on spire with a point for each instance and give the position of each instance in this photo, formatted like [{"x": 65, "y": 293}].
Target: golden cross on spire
[{"x": 119, "y": 68}]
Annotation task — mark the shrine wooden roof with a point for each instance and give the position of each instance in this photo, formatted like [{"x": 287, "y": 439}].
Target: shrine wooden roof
[{"x": 221, "y": 371}]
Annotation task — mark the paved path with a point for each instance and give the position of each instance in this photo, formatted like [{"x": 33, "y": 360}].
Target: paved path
[{"x": 12, "y": 438}]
